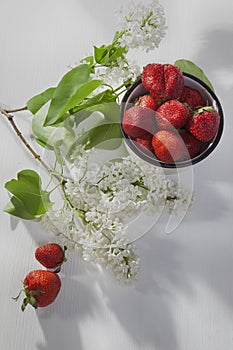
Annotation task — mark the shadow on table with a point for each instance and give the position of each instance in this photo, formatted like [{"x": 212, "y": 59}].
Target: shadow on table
[
  {"x": 217, "y": 60},
  {"x": 146, "y": 312},
  {"x": 61, "y": 320}
]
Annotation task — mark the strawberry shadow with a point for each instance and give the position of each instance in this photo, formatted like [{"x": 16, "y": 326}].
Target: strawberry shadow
[
  {"x": 144, "y": 311},
  {"x": 77, "y": 302}
]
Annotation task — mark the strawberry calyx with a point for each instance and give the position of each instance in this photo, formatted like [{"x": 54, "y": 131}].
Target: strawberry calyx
[
  {"x": 29, "y": 297},
  {"x": 186, "y": 105},
  {"x": 204, "y": 109}
]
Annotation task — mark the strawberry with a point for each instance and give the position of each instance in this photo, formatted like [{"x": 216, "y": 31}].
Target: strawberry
[
  {"x": 147, "y": 101},
  {"x": 138, "y": 122},
  {"x": 168, "y": 146},
  {"x": 204, "y": 124},
  {"x": 193, "y": 146},
  {"x": 144, "y": 144},
  {"x": 172, "y": 114},
  {"x": 174, "y": 81},
  {"x": 41, "y": 288},
  {"x": 51, "y": 255},
  {"x": 163, "y": 81},
  {"x": 153, "y": 80},
  {"x": 192, "y": 97}
]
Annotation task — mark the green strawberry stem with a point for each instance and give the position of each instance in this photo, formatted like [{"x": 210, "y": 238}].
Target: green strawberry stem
[
  {"x": 17, "y": 297},
  {"x": 29, "y": 297},
  {"x": 206, "y": 108}
]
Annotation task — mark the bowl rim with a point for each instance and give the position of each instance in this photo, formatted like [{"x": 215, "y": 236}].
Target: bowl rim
[{"x": 179, "y": 164}]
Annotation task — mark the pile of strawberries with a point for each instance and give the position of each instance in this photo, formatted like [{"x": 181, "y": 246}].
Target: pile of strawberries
[
  {"x": 41, "y": 287},
  {"x": 172, "y": 120}
]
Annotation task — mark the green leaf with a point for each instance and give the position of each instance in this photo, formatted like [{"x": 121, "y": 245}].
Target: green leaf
[
  {"x": 29, "y": 201},
  {"x": 106, "y": 55},
  {"x": 81, "y": 94},
  {"x": 88, "y": 59},
  {"x": 16, "y": 208},
  {"x": 92, "y": 103},
  {"x": 118, "y": 34},
  {"x": 96, "y": 103},
  {"x": 110, "y": 110},
  {"x": 115, "y": 53},
  {"x": 65, "y": 91},
  {"x": 36, "y": 102},
  {"x": 101, "y": 54},
  {"x": 96, "y": 136},
  {"x": 190, "y": 67},
  {"x": 50, "y": 137}
]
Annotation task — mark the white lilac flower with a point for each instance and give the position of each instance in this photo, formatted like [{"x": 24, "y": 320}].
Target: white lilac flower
[
  {"x": 76, "y": 167},
  {"x": 61, "y": 223},
  {"x": 178, "y": 200},
  {"x": 98, "y": 204},
  {"x": 101, "y": 240},
  {"x": 142, "y": 26}
]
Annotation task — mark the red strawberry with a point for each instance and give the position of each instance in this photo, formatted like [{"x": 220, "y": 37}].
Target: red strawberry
[
  {"x": 168, "y": 146},
  {"x": 204, "y": 124},
  {"x": 41, "y": 288},
  {"x": 172, "y": 114},
  {"x": 163, "y": 81},
  {"x": 193, "y": 146},
  {"x": 144, "y": 144},
  {"x": 192, "y": 97},
  {"x": 174, "y": 81},
  {"x": 147, "y": 101},
  {"x": 139, "y": 122},
  {"x": 153, "y": 80},
  {"x": 51, "y": 255}
]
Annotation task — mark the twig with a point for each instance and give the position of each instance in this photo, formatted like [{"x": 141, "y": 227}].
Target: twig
[
  {"x": 27, "y": 145},
  {"x": 15, "y": 110}
]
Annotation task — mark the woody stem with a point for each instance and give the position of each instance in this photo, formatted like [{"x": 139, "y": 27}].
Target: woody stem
[
  {"x": 10, "y": 118},
  {"x": 15, "y": 110}
]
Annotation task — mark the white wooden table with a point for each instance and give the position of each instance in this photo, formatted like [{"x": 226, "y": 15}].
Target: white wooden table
[{"x": 184, "y": 299}]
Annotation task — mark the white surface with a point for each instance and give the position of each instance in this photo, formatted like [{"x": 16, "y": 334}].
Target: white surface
[{"x": 184, "y": 299}]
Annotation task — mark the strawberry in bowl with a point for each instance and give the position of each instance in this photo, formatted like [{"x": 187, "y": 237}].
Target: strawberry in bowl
[{"x": 181, "y": 118}]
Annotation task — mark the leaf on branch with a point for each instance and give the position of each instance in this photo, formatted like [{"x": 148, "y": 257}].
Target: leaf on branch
[
  {"x": 97, "y": 136},
  {"x": 81, "y": 93},
  {"x": 103, "y": 102},
  {"x": 101, "y": 54},
  {"x": 71, "y": 90},
  {"x": 29, "y": 201},
  {"x": 116, "y": 53},
  {"x": 93, "y": 104},
  {"x": 50, "y": 137},
  {"x": 106, "y": 55},
  {"x": 190, "y": 67},
  {"x": 36, "y": 102},
  {"x": 111, "y": 111},
  {"x": 88, "y": 60}
]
